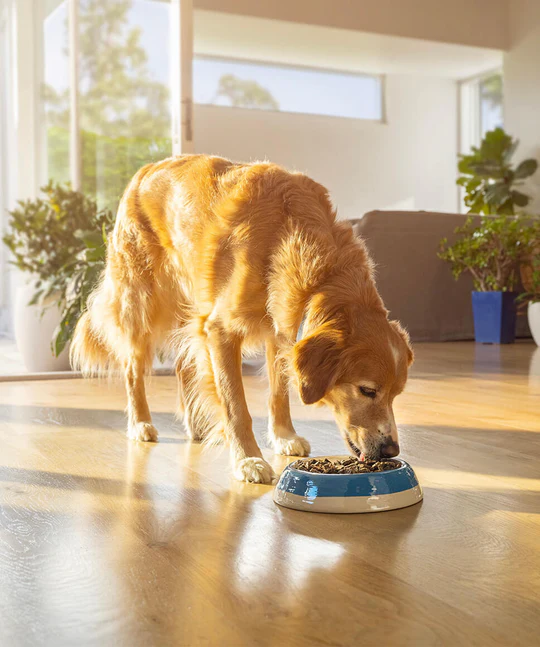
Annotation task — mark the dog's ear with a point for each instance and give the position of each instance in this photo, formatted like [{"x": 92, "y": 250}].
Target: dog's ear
[
  {"x": 405, "y": 336},
  {"x": 316, "y": 363}
]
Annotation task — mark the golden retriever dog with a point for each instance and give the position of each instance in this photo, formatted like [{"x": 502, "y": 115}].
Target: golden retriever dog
[{"x": 215, "y": 258}]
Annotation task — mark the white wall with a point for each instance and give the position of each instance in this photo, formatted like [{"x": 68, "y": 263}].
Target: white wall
[
  {"x": 292, "y": 43},
  {"x": 481, "y": 23},
  {"x": 522, "y": 85},
  {"x": 407, "y": 163}
]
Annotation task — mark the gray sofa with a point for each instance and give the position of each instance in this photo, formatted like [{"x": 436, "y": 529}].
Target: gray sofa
[{"x": 417, "y": 287}]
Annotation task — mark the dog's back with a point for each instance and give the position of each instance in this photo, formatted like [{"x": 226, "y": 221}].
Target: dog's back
[{"x": 198, "y": 233}]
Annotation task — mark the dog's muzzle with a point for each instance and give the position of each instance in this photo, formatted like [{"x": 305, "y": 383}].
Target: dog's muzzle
[{"x": 388, "y": 449}]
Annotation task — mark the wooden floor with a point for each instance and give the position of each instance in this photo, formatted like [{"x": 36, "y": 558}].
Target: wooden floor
[{"x": 105, "y": 542}]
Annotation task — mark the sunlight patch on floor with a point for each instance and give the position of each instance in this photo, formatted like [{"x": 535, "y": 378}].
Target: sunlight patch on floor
[{"x": 458, "y": 480}]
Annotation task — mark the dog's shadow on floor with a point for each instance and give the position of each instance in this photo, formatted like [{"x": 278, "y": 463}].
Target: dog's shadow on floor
[{"x": 55, "y": 419}]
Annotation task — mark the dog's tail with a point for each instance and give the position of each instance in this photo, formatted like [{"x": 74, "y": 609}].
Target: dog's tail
[
  {"x": 117, "y": 315},
  {"x": 89, "y": 351}
]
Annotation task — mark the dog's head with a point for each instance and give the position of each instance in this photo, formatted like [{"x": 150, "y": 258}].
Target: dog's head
[{"x": 358, "y": 374}]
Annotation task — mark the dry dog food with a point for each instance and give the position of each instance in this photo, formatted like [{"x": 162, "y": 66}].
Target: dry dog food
[{"x": 350, "y": 465}]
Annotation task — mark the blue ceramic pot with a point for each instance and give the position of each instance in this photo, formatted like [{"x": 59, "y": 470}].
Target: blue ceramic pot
[{"x": 494, "y": 317}]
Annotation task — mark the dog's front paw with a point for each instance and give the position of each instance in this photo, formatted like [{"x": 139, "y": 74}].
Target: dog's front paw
[
  {"x": 295, "y": 446},
  {"x": 254, "y": 470},
  {"x": 144, "y": 431}
]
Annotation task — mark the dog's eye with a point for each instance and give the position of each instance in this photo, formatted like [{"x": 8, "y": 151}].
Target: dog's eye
[{"x": 369, "y": 393}]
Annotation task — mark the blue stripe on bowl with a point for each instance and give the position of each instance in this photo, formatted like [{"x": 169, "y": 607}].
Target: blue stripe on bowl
[{"x": 312, "y": 485}]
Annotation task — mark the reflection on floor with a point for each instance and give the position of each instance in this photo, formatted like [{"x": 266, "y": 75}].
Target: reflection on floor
[{"x": 106, "y": 541}]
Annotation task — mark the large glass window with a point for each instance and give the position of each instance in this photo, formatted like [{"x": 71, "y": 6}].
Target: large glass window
[
  {"x": 242, "y": 84},
  {"x": 124, "y": 109},
  {"x": 123, "y": 91}
]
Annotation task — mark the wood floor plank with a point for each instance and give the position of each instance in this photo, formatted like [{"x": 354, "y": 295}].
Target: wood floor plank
[{"x": 107, "y": 542}]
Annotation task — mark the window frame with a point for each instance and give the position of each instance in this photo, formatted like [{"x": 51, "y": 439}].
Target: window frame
[
  {"x": 6, "y": 146},
  {"x": 306, "y": 68}
]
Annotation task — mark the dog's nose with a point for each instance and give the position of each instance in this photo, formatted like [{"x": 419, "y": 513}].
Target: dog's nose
[{"x": 390, "y": 450}]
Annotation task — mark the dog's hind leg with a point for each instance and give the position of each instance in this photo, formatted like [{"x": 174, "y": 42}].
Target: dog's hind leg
[
  {"x": 199, "y": 404},
  {"x": 190, "y": 405},
  {"x": 140, "y": 425},
  {"x": 281, "y": 433}
]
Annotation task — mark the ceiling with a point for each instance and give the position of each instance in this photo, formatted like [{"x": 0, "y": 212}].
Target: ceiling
[{"x": 245, "y": 37}]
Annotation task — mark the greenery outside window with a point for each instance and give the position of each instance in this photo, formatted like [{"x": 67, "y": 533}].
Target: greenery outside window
[{"x": 123, "y": 91}]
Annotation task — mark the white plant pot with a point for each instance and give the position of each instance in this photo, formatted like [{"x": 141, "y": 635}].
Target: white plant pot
[
  {"x": 533, "y": 313},
  {"x": 33, "y": 334}
]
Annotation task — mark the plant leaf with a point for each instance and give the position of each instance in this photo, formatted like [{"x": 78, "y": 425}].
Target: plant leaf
[
  {"x": 92, "y": 239},
  {"x": 496, "y": 194},
  {"x": 36, "y": 298},
  {"x": 526, "y": 169},
  {"x": 520, "y": 199}
]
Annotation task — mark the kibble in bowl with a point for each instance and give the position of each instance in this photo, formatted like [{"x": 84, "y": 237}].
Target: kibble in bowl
[
  {"x": 345, "y": 484},
  {"x": 349, "y": 465}
]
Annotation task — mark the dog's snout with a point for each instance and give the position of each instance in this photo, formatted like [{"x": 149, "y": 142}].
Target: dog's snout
[{"x": 389, "y": 450}]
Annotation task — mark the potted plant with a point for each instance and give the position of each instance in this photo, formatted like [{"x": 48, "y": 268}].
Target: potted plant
[
  {"x": 530, "y": 267},
  {"x": 490, "y": 249},
  {"x": 489, "y": 178},
  {"x": 58, "y": 241},
  {"x": 531, "y": 284}
]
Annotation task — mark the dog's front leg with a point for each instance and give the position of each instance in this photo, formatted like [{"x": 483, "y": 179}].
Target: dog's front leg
[
  {"x": 281, "y": 432},
  {"x": 226, "y": 355}
]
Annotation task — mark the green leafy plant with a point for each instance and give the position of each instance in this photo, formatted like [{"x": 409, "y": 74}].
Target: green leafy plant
[
  {"x": 530, "y": 267},
  {"x": 61, "y": 240},
  {"x": 532, "y": 289},
  {"x": 489, "y": 178},
  {"x": 490, "y": 249}
]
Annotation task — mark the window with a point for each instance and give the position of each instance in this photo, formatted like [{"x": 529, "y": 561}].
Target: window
[
  {"x": 124, "y": 108},
  {"x": 491, "y": 103},
  {"x": 481, "y": 108},
  {"x": 261, "y": 86},
  {"x": 99, "y": 88},
  {"x": 123, "y": 92}
]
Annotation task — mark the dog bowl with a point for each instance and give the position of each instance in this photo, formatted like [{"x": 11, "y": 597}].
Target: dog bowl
[{"x": 348, "y": 493}]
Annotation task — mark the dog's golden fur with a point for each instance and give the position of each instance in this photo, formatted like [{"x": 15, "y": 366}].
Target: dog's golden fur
[{"x": 214, "y": 258}]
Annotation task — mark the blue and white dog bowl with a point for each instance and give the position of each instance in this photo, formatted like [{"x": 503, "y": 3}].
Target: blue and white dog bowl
[{"x": 347, "y": 493}]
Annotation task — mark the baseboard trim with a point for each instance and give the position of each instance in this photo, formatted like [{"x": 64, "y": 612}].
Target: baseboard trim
[{"x": 63, "y": 375}]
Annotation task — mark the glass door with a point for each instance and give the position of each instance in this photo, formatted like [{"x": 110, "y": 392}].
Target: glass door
[{"x": 132, "y": 97}]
